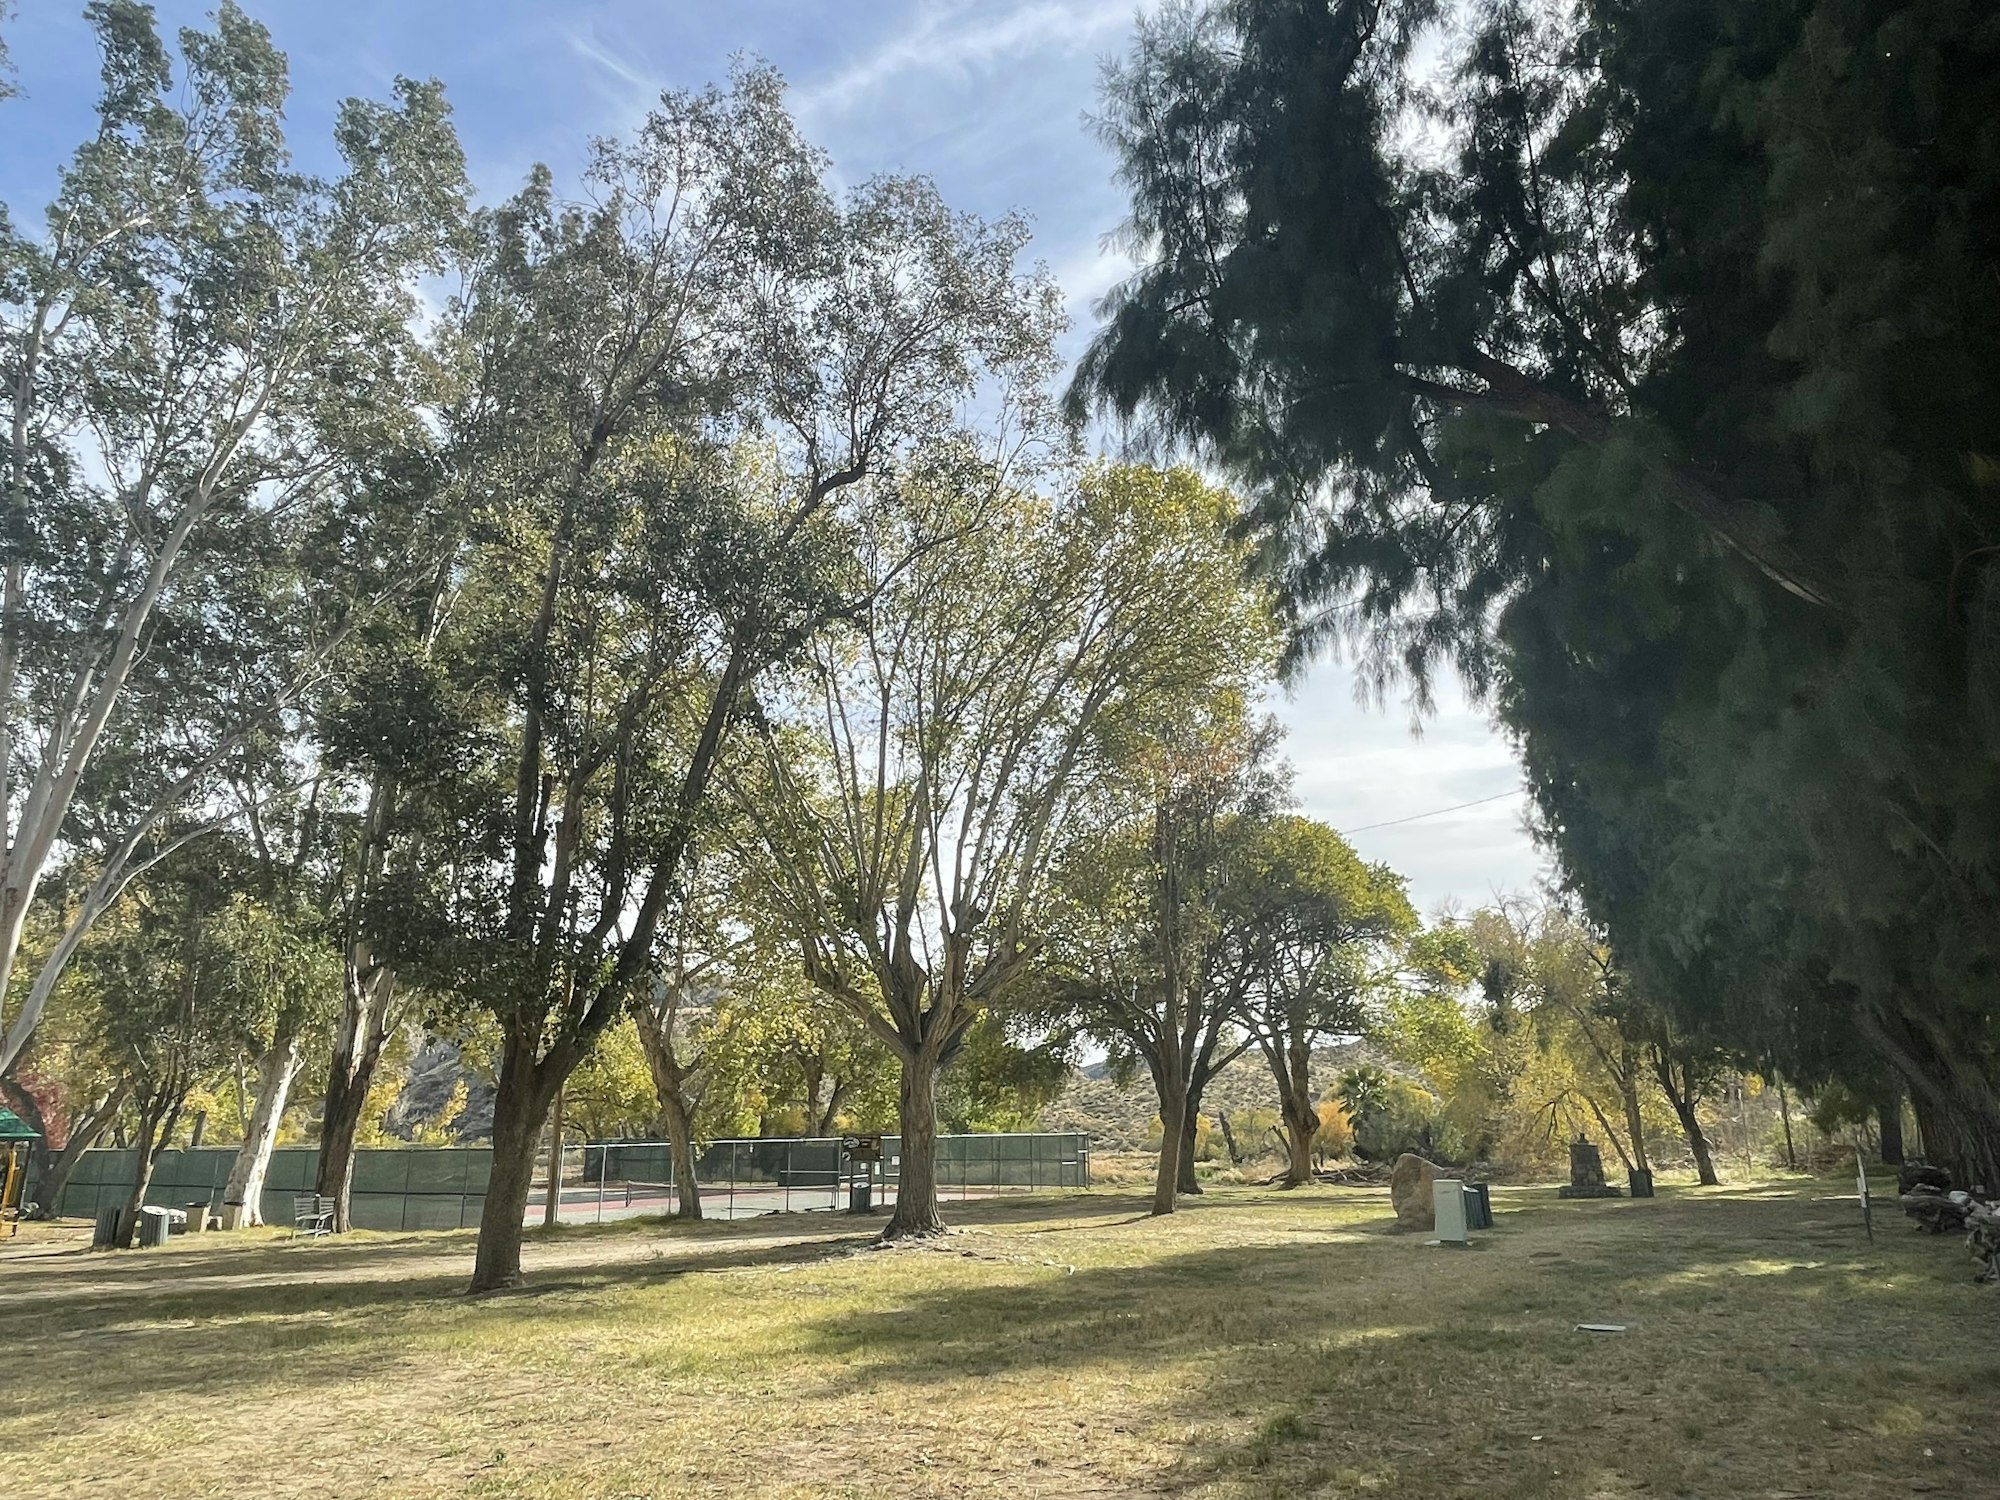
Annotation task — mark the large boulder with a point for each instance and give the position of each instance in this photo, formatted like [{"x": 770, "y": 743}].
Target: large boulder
[{"x": 1410, "y": 1192}]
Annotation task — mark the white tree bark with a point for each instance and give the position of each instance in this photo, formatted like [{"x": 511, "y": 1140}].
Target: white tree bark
[{"x": 276, "y": 1070}]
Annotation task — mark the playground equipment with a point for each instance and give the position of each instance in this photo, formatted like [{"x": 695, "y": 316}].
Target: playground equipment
[{"x": 14, "y": 1139}]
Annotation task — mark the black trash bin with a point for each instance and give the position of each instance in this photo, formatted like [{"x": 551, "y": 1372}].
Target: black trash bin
[
  {"x": 1478, "y": 1206},
  {"x": 104, "y": 1235},
  {"x": 861, "y": 1194},
  {"x": 1641, "y": 1181}
]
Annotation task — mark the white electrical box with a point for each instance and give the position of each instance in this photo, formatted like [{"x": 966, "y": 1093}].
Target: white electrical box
[{"x": 1448, "y": 1202}]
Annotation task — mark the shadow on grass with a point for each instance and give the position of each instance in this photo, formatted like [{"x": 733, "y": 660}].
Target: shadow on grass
[
  {"x": 1738, "y": 1338},
  {"x": 243, "y": 1338},
  {"x": 1450, "y": 1353}
]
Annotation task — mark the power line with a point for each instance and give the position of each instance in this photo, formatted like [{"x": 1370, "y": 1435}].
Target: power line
[{"x": 1434, "y": 812}]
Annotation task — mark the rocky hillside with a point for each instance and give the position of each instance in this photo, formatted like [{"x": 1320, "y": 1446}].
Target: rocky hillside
[{"x": 1121, "y": 1118}]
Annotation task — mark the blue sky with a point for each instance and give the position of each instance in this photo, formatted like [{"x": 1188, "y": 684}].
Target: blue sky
[{"x": 986, "y": 96}]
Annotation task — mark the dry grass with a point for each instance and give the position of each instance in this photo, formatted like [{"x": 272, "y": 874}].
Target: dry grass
[{"x": 1257, "y": 1344}]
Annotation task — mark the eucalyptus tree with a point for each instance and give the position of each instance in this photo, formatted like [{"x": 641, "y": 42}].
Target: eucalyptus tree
[
  {"x": 290, "y": 962},
  {"x": 397, "y": 735},
  {"x": 923, "y": 767},
  {"x": 680, "y": 388},
  {"x": 174, "y": 978},
  {"x": 208, "y": 361},
  {"x": 1645, "y": 368}
]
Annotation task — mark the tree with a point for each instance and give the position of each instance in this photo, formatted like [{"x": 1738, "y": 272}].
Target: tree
[
  {"x": 1313, "y": 931},
  {"x": 399, "y": 740},
  {"x": 612, "y": 1094},
  {"x": 290, "y": 977},
  {"x": 1550, "y": 987},
  {"x": 676, "y": 396},
  {"x": 814, "y": 1056},
  {"x": 924, "y": 767},
  {"x": 693, "y": 1013},
  {"x": 1145, "y": 955},
  {"x": 174, "y": 983},
  {"x": 206, "y": 357},
  {"x": 1644, "y": 371},
  {"x": 1003, "y": 1078}
]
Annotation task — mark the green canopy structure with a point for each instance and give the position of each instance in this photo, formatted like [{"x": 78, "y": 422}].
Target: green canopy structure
[{"x": 14, "y": 1128}]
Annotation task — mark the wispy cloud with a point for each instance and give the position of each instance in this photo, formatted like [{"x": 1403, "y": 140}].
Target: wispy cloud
[
  {"x": 639, "y": 87},
  {"x": 949, "y": 37}
]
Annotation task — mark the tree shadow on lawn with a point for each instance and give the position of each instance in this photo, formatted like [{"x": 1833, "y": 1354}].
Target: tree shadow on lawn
[
  {"x": 1261, "y": 1326},
  {"x": 238, "y": 1338},
  {"x": 1376, "y": 1359}
]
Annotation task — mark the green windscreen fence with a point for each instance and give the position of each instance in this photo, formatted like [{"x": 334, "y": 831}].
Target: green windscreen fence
[
  {"x": 445, "y": 1187},
  {"x": 419, "y": 1188}
]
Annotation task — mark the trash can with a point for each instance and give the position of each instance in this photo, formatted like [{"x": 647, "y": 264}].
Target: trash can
[
  {"x": 104, "y": 1236},
  {"x": 197, "y": 1217},
  {"x": 1448, "y": 1203},
  {"x": 1641, "y": 1181},
  {"x": 861, "y": 1194},
  {"x": 1478, "y": 1206},
  {"x": 155, "y": 1224}
]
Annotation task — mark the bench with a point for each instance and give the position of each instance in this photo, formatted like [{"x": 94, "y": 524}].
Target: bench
[{"x": 312, "y": 1215}]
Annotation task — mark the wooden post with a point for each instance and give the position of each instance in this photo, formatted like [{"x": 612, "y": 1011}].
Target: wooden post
[{"x": 552, "y": 1203}]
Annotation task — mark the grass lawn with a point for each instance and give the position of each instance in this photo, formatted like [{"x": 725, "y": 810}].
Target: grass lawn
[{"x": 1258, "y": 1343}]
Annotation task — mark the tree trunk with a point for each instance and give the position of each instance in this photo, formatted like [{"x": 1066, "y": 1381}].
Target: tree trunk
[
  {"x": 676, "y": 1112},
  {"x": 1624, "y": 1156},
  {"x": 1186, "y": 1182},
  {"x": 680, "y": 1139},
  {"x": 1955, "y": 1102},
  {"x": 552, "y": 1199},
  {"x": 1704, "y": 1162},
  {"x": 1681, "y": 1094},
  {"x": 1628, "y": 1094},
  {"x": 824, "y": 1124},
  {"x": 1889, "y": 1117},
  {"x": 152, "y": 1138},
  {"x": 916, "y": 1181},
  {"x": 1299, "y": 1133},
  {"x": 1174, "y": 1114},
  {"x": 1228, "y": 1138},
  {"x": 1295, "y": 1105},
  {"x": 357, "y": 1052},
  {"x": 276, "y": 1069},
  {"x": 1785, "y": 1114},
  {"x": 520, "y": 1109}
]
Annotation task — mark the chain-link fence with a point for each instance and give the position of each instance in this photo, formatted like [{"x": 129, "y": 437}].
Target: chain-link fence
[
  {"x": 444, "y": 1187},
  {"x": 605, "y": 1180}
]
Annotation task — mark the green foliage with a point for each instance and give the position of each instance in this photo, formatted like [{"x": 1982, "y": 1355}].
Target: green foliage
[
  {"x": 1391, "y": 1115},
  {"x": 999, "y": 1084},
  {"x": 610, "y": 1095},
  {"x": 1017, "y": 653},
  {"x": 217, "y": 461},
  {"x": 1645, "y": 370}
]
